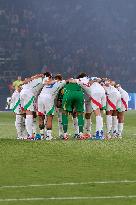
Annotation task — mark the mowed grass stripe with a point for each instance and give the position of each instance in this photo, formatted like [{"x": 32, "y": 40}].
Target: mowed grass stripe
[
  {"x": 68, "y": 184},
  {"x": 69, "y": 198}
]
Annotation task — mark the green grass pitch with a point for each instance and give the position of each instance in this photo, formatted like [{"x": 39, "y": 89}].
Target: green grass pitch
[{"x": 67, "y": 173}]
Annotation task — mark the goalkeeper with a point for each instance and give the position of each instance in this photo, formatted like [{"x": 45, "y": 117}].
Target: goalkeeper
[{"x": 73, "y": 100}]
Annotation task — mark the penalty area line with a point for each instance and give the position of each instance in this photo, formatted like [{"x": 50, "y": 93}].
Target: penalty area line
[
  {"x": 67, "y": 184},
  {"x": 69, "y": 198}
]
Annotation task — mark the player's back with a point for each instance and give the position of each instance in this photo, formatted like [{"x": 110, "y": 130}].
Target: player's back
[
  {"x": 113, "y": 92},
  {"x": 97, "y": 88},
  {"x": 70, "y": 87},
  {"x": 34, "y": 85},
  {"x": 123, "y": 93},
  {"x": 52, "y": 88}
]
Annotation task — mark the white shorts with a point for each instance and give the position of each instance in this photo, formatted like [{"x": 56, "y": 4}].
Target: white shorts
[
  {"x": 27, "y": 100},
  {"x": 98, "y": 100},
  {"x": 113, "y": 101},
  {"x": 45, "y": 105}
]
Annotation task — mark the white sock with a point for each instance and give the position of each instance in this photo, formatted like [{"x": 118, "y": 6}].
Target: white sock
[
  {"x": 76, "y": 127},
  {"x": 24, "y": 132},
  {"x": 87, "y": 126},
  {"x": 99, "y": 123},
  {"x": 109, "y": 123},
  {"x": 29, "y": 124},
  {"x": 120, "y": 128},
  {"x": 114, "y": 124},
  {"x": 49, "y": 132},
  {"x": 18, "y": 125},
  {"x": 45, "y": 120},
  {"x": 34, "y": 126},
  {"x": 60, "y": 123}
]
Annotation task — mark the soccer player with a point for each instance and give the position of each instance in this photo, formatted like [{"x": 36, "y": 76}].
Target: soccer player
[
  {"x": 16, "y": 108},
  {"x": 88, "y": 111},
  {"x": 73, "y": 101},
  {"x": 113, "y": 105},
  {"x": 28, "y": 95},
  {"x": 58, "y": 104},
  {"x": 46, "y": 101},
  {"x": 124, "y": 108},
  {"x": 96, "y": 94}
]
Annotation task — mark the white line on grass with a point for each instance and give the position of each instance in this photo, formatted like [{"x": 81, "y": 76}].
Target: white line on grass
[
  {"x": 68, "y": 184},
  {"x": 68, "y": 198}
]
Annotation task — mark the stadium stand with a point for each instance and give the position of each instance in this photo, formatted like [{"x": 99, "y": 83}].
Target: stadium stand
[{"x": 95, "y": 36}]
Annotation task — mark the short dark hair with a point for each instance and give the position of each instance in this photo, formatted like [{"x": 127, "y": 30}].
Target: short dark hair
[
  {"x": 58, "y": 76},
  {"x": 82, "y": 75},
  {"x": 48, "y": 74}
]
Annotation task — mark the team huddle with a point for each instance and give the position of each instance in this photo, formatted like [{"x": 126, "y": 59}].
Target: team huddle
[{"x": 42, "y": 95}]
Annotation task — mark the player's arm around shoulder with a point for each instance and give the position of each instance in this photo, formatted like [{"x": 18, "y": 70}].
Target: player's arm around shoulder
[{"x": 27, "y": 80}]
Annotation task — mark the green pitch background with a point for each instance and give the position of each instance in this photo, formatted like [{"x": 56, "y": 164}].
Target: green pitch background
[{"x": 56, "y": 162}]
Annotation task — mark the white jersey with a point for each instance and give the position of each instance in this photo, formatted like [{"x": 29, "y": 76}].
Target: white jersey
[
  {"x": 90, "y": 89},
  {"x": 47, "y": 97},
  {"x": 97, "y": 88},
  {"x": 124, "y": 99},
  {"x": 113, "y": 98},
  {"x": 95, "y": 93},
  {"x": 53, "y": 88},
  {"x": 110, "y": 90},
  {"x": 15, "y": 102},
  {"x": 123, "y": 93},
  {"x": 34, "y": 86}
]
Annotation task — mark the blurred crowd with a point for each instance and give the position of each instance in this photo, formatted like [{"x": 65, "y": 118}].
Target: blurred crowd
[{"x": 95, "y": 36}]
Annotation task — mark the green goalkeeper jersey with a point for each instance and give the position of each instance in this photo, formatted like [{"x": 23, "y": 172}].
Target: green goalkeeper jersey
[{"x": 73, "y": 98}]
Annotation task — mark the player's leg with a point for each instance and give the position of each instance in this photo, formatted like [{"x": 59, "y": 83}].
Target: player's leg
[
  {"x": 34, "y": 124},
  {"x": 111, "y": 119},
  {"x": 67, "y": 107},
  {"x": 96, "y": 106},
  {"x": 109, "y": 123},
  {"x": 49, "y": 118},
  {"x": 120, "y": 123},
  {"x": 18, "y": 125},
  {"x": 29, "y": 108},
  {"x": 41, "y": 118},
  {"x": 49, "y": 127},
  {"x": 60, "y": 126},
  {"x": 114, "y": 123},
  {"x": 41, "y": 115},
  {"x": 29, "y": 123},
  {"x": 88, "y": 112},
  {"x": 78, "y": 102},
  {"x": 75, "y": 124},
  {"x": 99, "y": 124},
  {"x": 24, "y": 132},
  {"x": 65, "y": 124},
  {"x": 117, "y": 102}
]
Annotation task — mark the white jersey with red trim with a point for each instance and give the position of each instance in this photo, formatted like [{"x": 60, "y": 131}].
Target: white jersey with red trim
[
  {"x": 90, "y": 89},
  {"x": 124, "y": 99},
  {"x": 95, "y": 92},
  {"x": 97, "y": 88},
  {"x": 113, "y": 98},
  {"x": 111, "y": 89}
]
